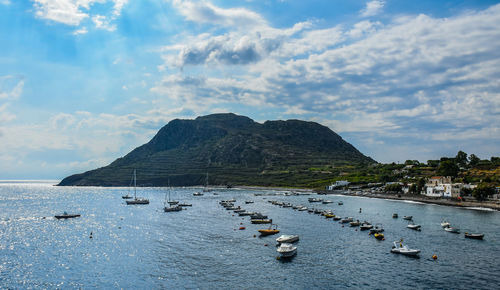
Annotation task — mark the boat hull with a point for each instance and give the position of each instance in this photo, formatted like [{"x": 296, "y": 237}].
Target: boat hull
[{"x": 68, "y": 216}]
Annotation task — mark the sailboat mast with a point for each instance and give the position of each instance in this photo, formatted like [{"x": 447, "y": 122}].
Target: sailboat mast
[{"x": 135, "y": 184}]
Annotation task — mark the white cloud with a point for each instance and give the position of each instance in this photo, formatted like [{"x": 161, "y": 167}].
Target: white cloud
[
  {"x": 373, "y": 8},
  {"x": 11, "y": 87},
  {"x": 74, "y": 12},
  {"x": 5, "y": 2},
  {"x": 80, "y": 31}
]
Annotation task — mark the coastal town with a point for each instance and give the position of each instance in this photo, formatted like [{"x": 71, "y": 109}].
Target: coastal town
[{"x": 468, "y": 182}]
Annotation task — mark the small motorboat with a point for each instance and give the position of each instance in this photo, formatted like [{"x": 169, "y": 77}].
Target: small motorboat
[
  {"x": 303, "y": 208},
  {"x": 312, "y": 199},
  {"x": 395, "y": 215},
  {"x": 287, "y": 239},
  {"x": 287, "y": 250},
  {"x": 346, "y": 220},
  {"x": 452, "y": 230},
  {"x": 238, "y": 210},
  {"x": 246, "y": 213},
  {"x": 185, "y": 204},
  {"x": 408, "y": 217},
  {"x": 379, "y": 236},
  {"x": 377, "y": 229},
  {"x": 249, "y": 201},
  {"x": 138, "y": 201},
  {"x": 474, "y": 236},
  {"x": 272, "y": 230},
  {"x": 66, "y": 215},
  {"x": 340, "y": 203},
  {"x": 445, "y": 224},
  {"x": 413, "y": 226},
  {"x": 258, "y": 216},
  {"x": 355, "y": 223},
  {"x": 172, "y": 208},
  {"x": 336, "y": 218},
  {"x": 326, "y": 201},
  {"x": 126, "y": 196},
  {"x": 197, "y": 193},
  {"x": 365, "y": 226},
  {"x": 173, "y": 202},
  {"x": 329, "y": 215},
  {"x": 399, "y": 248},
  {"x": 261, "y": 221}
]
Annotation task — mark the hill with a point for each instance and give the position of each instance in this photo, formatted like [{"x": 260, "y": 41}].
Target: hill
[{"x": 233, "y": 150}]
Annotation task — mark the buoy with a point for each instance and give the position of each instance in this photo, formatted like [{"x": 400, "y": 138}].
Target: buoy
[
  {"x": 434, "y": 257},
  {"x": 254, "y": 236}
]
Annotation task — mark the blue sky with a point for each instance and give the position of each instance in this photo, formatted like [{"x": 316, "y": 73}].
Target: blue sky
[{"x": 83, "y": 82}]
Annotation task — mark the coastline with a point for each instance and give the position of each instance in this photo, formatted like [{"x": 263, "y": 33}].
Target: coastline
[{"x": 424, "y": 199}]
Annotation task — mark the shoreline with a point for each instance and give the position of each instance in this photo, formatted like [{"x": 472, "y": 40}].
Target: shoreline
[{"x": 427, "y": 200}]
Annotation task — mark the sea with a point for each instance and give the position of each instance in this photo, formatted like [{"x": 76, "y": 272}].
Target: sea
[{"x": 114, "y": 245}]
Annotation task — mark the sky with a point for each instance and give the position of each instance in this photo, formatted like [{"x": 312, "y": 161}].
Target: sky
[{"x": 83, "y": 82}]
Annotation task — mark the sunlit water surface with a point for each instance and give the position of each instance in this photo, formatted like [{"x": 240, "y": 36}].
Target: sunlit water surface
[{"x": 143, "y": 247}]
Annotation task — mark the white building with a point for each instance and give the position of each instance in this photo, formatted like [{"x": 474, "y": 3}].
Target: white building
[
  {"x": 338, "y": 183},
  {"x": 447, "y": 190}
]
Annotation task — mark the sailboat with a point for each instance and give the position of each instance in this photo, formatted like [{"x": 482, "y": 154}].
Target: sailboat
[
  {"x": 173, "y": 204},
  {"x": 206, "y": 189},
  {"x": 136, "y": 200},
  {"x": 128, "y": 196}
]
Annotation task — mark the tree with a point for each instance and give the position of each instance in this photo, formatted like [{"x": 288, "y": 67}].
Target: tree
[
  {"x": 420, "y": 185},
  {"x": 413, "y": 189},
  {"x": 448, "y": 168},
  {"x": 461, "y": 158},
  {"x": 395, "y": 187},
  {"x": 433, "y": 163},
  {"x": 473, "y": 160},
  {"x": 483, "y": 190}
]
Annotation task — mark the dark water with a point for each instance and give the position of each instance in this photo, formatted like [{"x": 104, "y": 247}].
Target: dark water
[{"x": 142, "y": 247}]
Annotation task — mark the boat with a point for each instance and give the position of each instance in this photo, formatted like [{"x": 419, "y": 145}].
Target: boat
[
  {"x": 66, "y": 215},
  {"x": 137, "y": 200},
  {"x": 414, "y": 226},
  {"x": 258, "y": 216},
  {"x": 379, "y": 236},
  {"x": 377, "y": 229},
  {"x": 365, "y": 226},
  {"x": 261, "y": 221},
  {"x": 408, "y": 217},
  {"x": 173, "y": 204},
  {"x": 474, "y": 236},
  {"x": 126, "y": 196},
  {"x": 287, "y": 239},
  {"x": 445, "y": 224},
  {"x": 329, "y": 215},
  {"x": 287, "y": 250},
  {"x": 355, "y": 223},
  {"x": 172, "y": 208},
  {"x": 452, "y": 230},
  {"x": 197, "y": 194},
  {"x": 312, "y": 199},
  {"x": 246, "y": 213},
  {"x": 399, "y": 248},
  {"x": 340, "y": 203},
  {"x": 185, "y": 204},
  {"x": 395, "y": 215},
  {"x": 336, "y": 218},
  {"x": 326, "y": 201},
  {"x": 206, "y": 189},
  {"x": 346, "y": 220},
  {"x": 248, "y": 201},
  {"x": 272, "y": 230},
  {"x": 303, "y": 208}
]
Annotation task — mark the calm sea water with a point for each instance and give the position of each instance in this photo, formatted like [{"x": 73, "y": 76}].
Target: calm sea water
[{"x": 140, "y": 247}]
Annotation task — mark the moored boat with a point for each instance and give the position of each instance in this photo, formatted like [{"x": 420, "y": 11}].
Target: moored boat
[
  {"x": 261, "y": 221},
  {"x": 399, "y": 248},
  {"x": 355, "y": 223},
  {"x": 287, "y": 250},
  {"x": 445, "y": 224},
  {"x": 474, "y": 236},
  {"x": 137, "y": 200},
  {"x": 379, "y": 236},
  {"x": 413, "y": 226},
  {"x": 395, "y": 215},
  {"x": 452, "y": 230},
  {"x": 365, "y": 226},
  {"x": 66, "y": 215},
  {"x": 408, "y": 217},
  {"x": 272, "y": 230},
  {"x": 287, "y": 239}
]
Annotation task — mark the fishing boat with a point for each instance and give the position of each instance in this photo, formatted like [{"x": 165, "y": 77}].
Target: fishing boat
[
  {"x": 474, "y": 236},
  {"x": 408, "y": 217},
  {"x": 413, "y": 226},
  {"x": 137, "y": 200},
  {"x": 399, "y": 248},
  {"x": 287, "y": 239},
  {"x": 66, "y": 215},
  {"x": 452, "y": 230},
  {"x": 287, "y": 250},
  {"x": 272, "y": 230}
]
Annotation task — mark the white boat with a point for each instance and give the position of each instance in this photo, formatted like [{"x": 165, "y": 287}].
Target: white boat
[
  {"x": 399, "y": 248},
  {"x": 452, "y": 230},
  {"x": 414, "y": 227},
  {"x": 287, "y": 239},
  {"x": 137, "y": 200},
  {"x": 287, "y": 250},
  {"x": 408, "y": 217},
  {"x": 197, "y": 193},
  {"x": 445, "y": 224},
  {"x": 326, "y": 201}
]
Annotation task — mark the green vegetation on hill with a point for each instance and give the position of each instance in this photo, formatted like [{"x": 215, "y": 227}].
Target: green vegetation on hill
[{"x": 233, "y": 150}]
